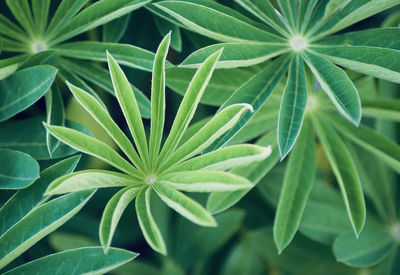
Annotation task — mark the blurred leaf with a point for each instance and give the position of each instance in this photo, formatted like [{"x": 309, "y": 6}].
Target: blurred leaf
[{"x": 113, "y": 31}]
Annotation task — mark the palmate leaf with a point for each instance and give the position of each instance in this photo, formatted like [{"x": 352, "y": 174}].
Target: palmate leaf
[
  {"x": 297, "y": 185},
  {"x": 345, "y": 172},
  {"x": 40, "y": 12},
  {"x": 87, "y": 260},
  {"x": 289, "y": 10},
  {"x": 382, "y": 108},
  {"x": 21, "y": 11}
]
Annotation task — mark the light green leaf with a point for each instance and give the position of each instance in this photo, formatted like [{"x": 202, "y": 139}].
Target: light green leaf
[
  {"x": 99, "y": 77},
  {"x": 65, "y": 11},
  {"x": 18, "y": 169},
  {"x": 382, "y": 108},
  {"x": 224, "y": 26},
  {"x": 292, "y": 108},
  {"x": 225, "y": 158},
  {"x": 87, "y": 260},
  {"x": 40, "y": 58},
  {"x": 100, "y": 114},
  {"x": 184, "y": 205},
  {"x": 29, "y": 136},
  {"x": 373, "y": 245},
  {"x": 290, "y": 12},
  {"x": 158, "y": 99},
  {"x": 351, "y": 13},
  {"x": 217, "y": 126},
  {"x": 39, "y": 223},
  {"x": 298, "y": 182},
  {"x": 220, "y": 201},
  {"x": 10, "y": 65},
  {"x": 204, "y": 181},
  {"x": 11, "y": 30},
  {"x": 129, "y": 106},
  {"x": 147, "y": 223},
  {"x": 333, "y": 6},
  {"x": 266, "y": 12},
  {"x": 113, "y": 31},
  {"x": 125, "y": 54},
  {"x": 385, "y": 149},
  {"x": 23, "y": 201},
  {"x": 112, "y": 213},
  {"x": 22, "y": 12},
  {"x": 54, "y": 116},
  {"x": 91, "y": 146},
  {"x": 221, "y": 86},
  {"x": 189, "y": 104},
  {"x": 22, "y": 89},
  {"x": 337, "y": 85},
  {"x": 95, "y": 15},
  {"x": 236, "y": 54},
  {"x": 345, "y": 172},
  {"x": 90, "y": 179},
  {"x": 164, "y": 27},
  {"x": 40, "y": 10},
  {"x": 255, "y": 92},
  {"x": 306, "y": 9}
]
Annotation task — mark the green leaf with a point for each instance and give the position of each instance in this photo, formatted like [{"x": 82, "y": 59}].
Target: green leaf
[
  {"x": 385, "y": 149},
  {"x": 90, "y": 179},
  {"x": 298, "y": 182},
  {"x": 129, "y": 106},
  {"x": 236, "y": 54},
  {"x": 22, "y": 89},
  {"x": 95, "y": 15},
  {"x": 29, "y": 136},
  {"x": 217, "y": 126},
  {"x": 220, "y": 201},
  {"x": 125, "y": 54},
  {"x": 266, "y": 12},
  {"x": 158, "y": 99},
  {"x": 65, "y": 11},
  {"x": 290, "y": 13},
  {"x": 18, "y": 169},
  {"x": 113, "y": 31},
  {"x": 40, "y": 58},
  {"x": 22, "y": 12},
  {"x": 219, "y": 89},
  {"x": 345, "y": 172},
  {"x": 100, "y": 77},
  {"x": 292, "y": 108},
  {"x": 91, "y": 146},
  {"x": 351, "y": 13},
  {"x": 255, "y": 92},
  {"x": 225, "y": 158},
  {"x": 306, "y": 9},
  {"x": 204, "y": 181},
  {"x": 112, "y": 214},
  {"x": 382, "y": 108},
  {"x": 87, "y": 260},
  {"x": 189, "y": 104},
  {"x": 184, "y": 205},
  {"x": 40, "y": 10},
  {"x": 11, "y": 30},
  {"x": 164, "y": 27},
  {"x": 373, "y": 245},
  {"x": 10, "y": 65},
  {"x": 55, "y": 116},
  {"x": 224, "y": 26},
  {"x": 100, "y": 114},
  {"x": 39, "y": 223},
  {"x": 147, "y": 223},
  {"x": 337, "y": 85},
  {"x": 23, "y": 201}
]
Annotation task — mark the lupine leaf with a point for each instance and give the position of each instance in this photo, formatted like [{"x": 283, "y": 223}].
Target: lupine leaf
[
  {"x": 40, "y": 222},
  {"x": 164, "y": 27},
  {"x": 54, "y": 116},
  {"x": 382, "y": 108},
  {"x": 298, "y": 182},
  {"x": 289, "y": 10},
  {"x": 91, "y": 146},
  {"x": 204, "y": 181},
  {"x": 40, "y": 10},
  {"x": 147, "y": 224},
  {"x": 113, "y": 31},
  {"x": 87, "y": 260},
  {"x": 112, "y": 214},
  {"x": 189, "y": 104},
  {"x": 22, "y": 12},
  {"x": 9, "y": 29},
  {"x": 18, "y": 170},
  {"x": 185, "y": 206},
  {"x": 345, "y": 172},
  {"x": 22, "y": 89},
  {"x": 90, "y": 179},
  {"x": 292, "y": 108},
  {"x": 337, "y": 85}
]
